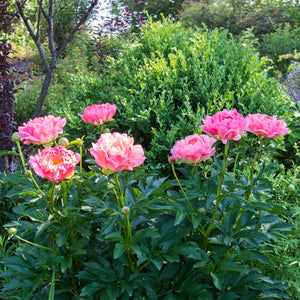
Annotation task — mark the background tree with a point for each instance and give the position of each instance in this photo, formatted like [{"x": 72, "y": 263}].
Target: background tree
[
  {"x": 7, "y": 80},
  {"x": 156, "y": 9},
  {"x": 62, "y": 19}
]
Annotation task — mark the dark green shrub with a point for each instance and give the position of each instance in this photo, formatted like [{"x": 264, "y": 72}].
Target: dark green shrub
[
  {"x": 237, "y": 16},
  {"x": 274, "y": 24},
  {"x": 130, "y": 235}
]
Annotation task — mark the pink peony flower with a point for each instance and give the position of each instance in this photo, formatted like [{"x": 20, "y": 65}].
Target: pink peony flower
[
  {"x": 266, "y": 126},
  {"x": 116, "y": 152},
  {"x": 98, "y": 114},
  {"x": 55, "y": 164},
  {"x": 225, "y": 125},
  {"x": 193, "y": 149},
  {"x": 40, "y": 131}
]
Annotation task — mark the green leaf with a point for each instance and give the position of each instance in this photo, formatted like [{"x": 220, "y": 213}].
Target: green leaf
[
  {"x": 43, "y": 227},
  {"x": 203, "y": 265},
  {"x": 61, "y": 237},
  {"x": 108, "y": 225},
  {"x": 92, "y": 288},
  {"x": 158, "y": 262},
  {"x": 115, "y": 236},
  {"x": 119, "y": 250},
  {"x": 179, "y": 218},
  {"x": 66, "y": 263},
  {"x": 218, "y": 279},
  {"x": 231, "y": 266},
  {"x": 274, "y": 294},
  {"x": 137, "y": 250},
  {"x": 112, "y": 292},
  {"x": 250, "y": 255},
  {"x": 6, "y": 152},
  {"x": 169, "y": 271},
  {"x": 147, "y": 232}
]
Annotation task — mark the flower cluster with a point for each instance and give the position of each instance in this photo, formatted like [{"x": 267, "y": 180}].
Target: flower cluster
[
  {"x": 113, "y": 151},
  {"x": 225, "y": 126},
  {"x": 117, "y": 152}
]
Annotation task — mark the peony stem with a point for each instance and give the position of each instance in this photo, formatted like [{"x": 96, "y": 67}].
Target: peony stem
[
  {"x": 254, "y": 162},
  {"x": 80, "y": 162},
  {"x": 235, "y": 163},
  {"x": 24, "y": 167},
  {"x": 36, "y": 245},
  {"x": 21, "y": 154},
  {"x": 120, "y": 194},
  {"x": 118, "y": 201},
  {"x": 52, "y": 196},
  {"x": 218, "y": 197},
  {"x": 186, "y": 197},
  {"x": 127, "y": 227},
  {"x": 64, "y": 191}
]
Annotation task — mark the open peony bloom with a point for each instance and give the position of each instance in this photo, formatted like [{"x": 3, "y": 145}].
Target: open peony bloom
[
  {"x": 266, "y": 126},
  {"x": 193, "y": 149},
  {"x": 55, "y": 164},
  {"x": 98, "y": 114},
  {"x": 116, "y": 152},
  {"x": 225, "y": 125},
  {"x": 41, "y": 131}
]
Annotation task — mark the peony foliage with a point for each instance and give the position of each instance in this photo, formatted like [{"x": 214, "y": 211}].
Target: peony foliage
[{"x": 111, "y": 229}]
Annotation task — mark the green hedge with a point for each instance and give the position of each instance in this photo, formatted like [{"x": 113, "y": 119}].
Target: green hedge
[{"x": 165, "y": 82}]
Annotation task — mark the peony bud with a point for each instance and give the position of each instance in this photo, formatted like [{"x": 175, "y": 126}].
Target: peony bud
[
  {"x": 110, "y": 186},
  {"x": 125, "y": 210},
  {"x": 15, "y": 137},
  {"x": 291, "y": 188},
  {"x": 12, "y": 231},
  {"x": 28, "y": 173},
  {"x": 107, "y": 171},
  {"x": 201, "y": 211},
  {"x": 63, "y": 142}
]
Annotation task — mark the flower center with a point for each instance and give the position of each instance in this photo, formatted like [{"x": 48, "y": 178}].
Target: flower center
[{"x": 57, "y": 161}]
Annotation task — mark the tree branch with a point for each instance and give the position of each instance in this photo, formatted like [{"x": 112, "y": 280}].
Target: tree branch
[
  {"x": 43, "y": 11},
  {"x": 33, "y": 36},
  {"x": 77, "y": 27},
  {"x": 51, "y": 36}
]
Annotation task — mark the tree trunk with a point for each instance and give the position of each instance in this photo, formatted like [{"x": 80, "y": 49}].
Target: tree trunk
[
  {"x": 55, "y": 53},
  {"x": 43, "y": 94}
]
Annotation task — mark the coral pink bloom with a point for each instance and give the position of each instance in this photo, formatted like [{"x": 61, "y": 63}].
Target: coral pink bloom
[
  {"x": 40, "y": 131},
  {"x": 225, "y": 125},
  {"x": 116, "y": 152},
  {"x": 266, "y": 126},
  {"x": 98, "y": 114},
  {"x": 55, "y": 164},
  {"x": 193, "y": 149}
]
